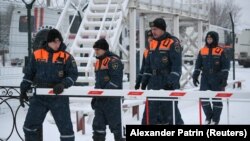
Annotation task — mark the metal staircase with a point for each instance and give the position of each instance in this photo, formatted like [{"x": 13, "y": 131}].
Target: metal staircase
[{"x": 102, "y": 19}]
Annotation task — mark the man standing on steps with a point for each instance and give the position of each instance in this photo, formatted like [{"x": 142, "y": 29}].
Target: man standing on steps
[{"x": 108, "y": 75}]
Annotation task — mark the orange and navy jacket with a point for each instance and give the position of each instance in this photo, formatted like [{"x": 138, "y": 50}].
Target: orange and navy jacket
[
  {"x": 165, "y": 59},
  {"x": 46, "y": 68},
  {"x": 108, "y": 72},
  {"x": 139, "y": 76},
  {"x": 212, "y": 60}
]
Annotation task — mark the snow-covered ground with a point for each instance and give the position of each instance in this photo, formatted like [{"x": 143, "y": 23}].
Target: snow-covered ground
[{"x": 238, "y": 111}]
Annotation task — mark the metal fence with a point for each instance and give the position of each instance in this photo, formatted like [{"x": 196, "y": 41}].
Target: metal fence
[{"x": 8, "y": 94}]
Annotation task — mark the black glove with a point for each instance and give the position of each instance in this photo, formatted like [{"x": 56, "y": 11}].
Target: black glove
[
  {"x": 24, "y": 87},
  {"x": 195, "y": 76},
  {"x": 137, "y": 86},
  {"x": 93, "y": 103},
  {"x": 168, "y": 86},
  {"x": 196, "y": 82},
  {"x": 144, "y": 82},
  {"x": 23, "y": 98},
  {"x": 172, "y": 82},
  {"x": 224, "y": 76},
  {"x": 58, "y": 88},
  {"x": 223, "y": 83},
  {"x": 138, "y": 81},
  {"x": 143, "y": 86}
]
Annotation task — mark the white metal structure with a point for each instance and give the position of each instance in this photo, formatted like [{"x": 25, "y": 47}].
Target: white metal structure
[
  {"x": 102, "y": 19},
  {"x": 76, "y": 9}
]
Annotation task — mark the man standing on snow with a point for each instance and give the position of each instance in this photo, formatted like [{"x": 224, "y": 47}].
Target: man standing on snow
[
  {"x": 162, "y": 71},
  {"x": 49, "y": 67},
  {"x": 214, "y": 64},
  {"x": 108, "y": 75}
]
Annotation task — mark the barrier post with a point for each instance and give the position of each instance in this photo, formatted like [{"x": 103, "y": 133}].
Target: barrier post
[
  {"x": 122, "y": 130},
  {"x": 173, "y": 103},
  {"x": 200, "y": 114},
  {"x": 228, "y": 120},
  {"x": 147, "y": 112}
]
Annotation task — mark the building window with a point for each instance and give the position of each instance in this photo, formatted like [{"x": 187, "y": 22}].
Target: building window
[{"x": 23, "y": 23}]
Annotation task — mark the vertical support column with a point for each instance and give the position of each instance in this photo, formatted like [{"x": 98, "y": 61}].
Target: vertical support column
[
  {"x": 80, "y": 121},
  {"x": 135, "y": 111},
  {"x": 200, "y": 33},
  {"x": 122, "y": 127},
  {"x": 142, "y": 36},
  {"x": 228, "y": 118},
  {"x": 172, "y": 5},
  {"x": 176, "y": 26},
  {"x": 181, "y": 6},
  {"x": 150, "y": 4},
  {"x": 132, "y": 46}
]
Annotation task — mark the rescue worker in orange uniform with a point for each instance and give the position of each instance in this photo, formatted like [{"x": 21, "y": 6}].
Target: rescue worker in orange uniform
[
  {"x": 145, "y": 55},
  {"x": 108, "y": 75},
  {"x": 162, "y": 71},
  {"x": 49, "y": 67},
  {"x": 214, "y": 64}
]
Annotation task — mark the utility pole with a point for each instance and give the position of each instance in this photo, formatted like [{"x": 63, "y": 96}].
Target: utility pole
[
  {"x": 28, "y": 4},
  {"x": 29, "y": 7},
  {"x": 232, "y": 22}
]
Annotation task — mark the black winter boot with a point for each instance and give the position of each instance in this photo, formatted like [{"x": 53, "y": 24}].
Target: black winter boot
[
  {"x": 122, "y": 139},
  {"x": 98, "y": 136}
]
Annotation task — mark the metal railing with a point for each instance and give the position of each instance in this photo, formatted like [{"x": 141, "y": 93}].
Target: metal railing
[
  {"x": 184, "y": 8},
  {"x": 7, "y": 94},
  {"x": 78, "y": 11}
]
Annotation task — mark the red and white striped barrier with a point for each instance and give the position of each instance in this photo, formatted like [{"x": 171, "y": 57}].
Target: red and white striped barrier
[
  {"x": 141, "y": 94},
  {"x": 234, "y": 95}
]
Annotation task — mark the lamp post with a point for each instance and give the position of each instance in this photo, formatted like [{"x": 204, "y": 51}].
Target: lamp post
[
  {"x": 232, "y": 22},
  {"x": 29, "y": 4}
]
